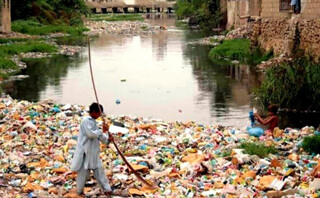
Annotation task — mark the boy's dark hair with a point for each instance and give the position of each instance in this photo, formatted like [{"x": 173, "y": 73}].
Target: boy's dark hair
[
  {"x": 273, "y": 108},
  {"x": 95, "y": 108}
]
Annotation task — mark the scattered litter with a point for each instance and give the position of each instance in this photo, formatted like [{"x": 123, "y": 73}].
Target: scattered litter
[{"x": 38, "y": 140}]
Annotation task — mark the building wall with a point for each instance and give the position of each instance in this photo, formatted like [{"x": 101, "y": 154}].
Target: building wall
[
  {"x": 309, "y": 36},
  {"x": 310, "y": 9},
  {"x": 271, "y": 9},
  {"x": 287, "y": 35},
  {"x": 239, "y": 10},
  {"x": 5, "y": 16}
]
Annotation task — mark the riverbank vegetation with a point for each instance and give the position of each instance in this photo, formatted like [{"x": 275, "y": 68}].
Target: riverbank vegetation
[
  {"x": 116, "y": 17},
  {"x": 293, "y": 85},
  {"x": 205, "y": 13},
  {"x": 41, "y": 17},
  {"x": 240, "y": 50},
  {"x": 8, "y": 50},
  {"x": 36, "y": 28},
  {"x": 24, "y": 47}
]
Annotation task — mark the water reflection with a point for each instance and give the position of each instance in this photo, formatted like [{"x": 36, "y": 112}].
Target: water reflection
[
  {"x": 163, "y": 76},
  {"x": 226, "y": 86},
  {"x": 43, "y": 73}
]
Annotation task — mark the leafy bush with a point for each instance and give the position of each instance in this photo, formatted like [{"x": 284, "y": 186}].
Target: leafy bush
[
  {"x": 311, "y": 144},
  {"x": 258, "y": 149},
  {"x": 50, "y": 11},
  {"x": 293, "y": 85},
  {"x": 205, "y": 13}
]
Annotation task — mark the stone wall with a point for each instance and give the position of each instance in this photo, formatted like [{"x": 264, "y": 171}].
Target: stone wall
[
  {"x": 287, "y": 35},
  {"x": 5, "y": 16},
  {"x": 309, "y": 31}
]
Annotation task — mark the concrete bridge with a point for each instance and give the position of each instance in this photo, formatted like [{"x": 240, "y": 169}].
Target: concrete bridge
[{"x": 125, "y": 6}]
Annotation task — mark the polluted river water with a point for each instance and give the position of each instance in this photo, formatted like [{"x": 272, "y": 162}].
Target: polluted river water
[{"x": 164, "y": 76}]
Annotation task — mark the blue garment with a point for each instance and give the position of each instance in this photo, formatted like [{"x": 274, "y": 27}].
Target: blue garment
[{"x": 296, "y": 4}]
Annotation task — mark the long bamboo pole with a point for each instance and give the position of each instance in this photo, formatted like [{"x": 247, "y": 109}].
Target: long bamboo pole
[{"x": 104, "y": 122}]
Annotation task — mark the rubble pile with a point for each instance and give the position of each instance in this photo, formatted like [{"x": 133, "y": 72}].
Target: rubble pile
[
  {"x": 212, "y": 40},
  {"x": 181, "y": 159},
  {"x": 244, "y": 31},
  {"x": 124, "y": 28},
  {"x": 275, "y": 62},
  {"x": 17, "y": 35}
]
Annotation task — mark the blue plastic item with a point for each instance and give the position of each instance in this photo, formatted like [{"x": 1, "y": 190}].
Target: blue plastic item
[
  {"x": 251, "y": 117},
  {"x": 256, "y": 131}
]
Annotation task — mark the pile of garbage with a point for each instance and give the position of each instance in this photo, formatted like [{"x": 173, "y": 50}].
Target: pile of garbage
[
  {"x": 212, "y": 40},
  {"x": 181, "y": 159},
  {"x": 124, "y": 28}
]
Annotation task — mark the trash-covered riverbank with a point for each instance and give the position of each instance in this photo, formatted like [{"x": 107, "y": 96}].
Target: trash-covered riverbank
[
  {"x": 182, "y": 159},
  {"x": 122, "y": 28}
]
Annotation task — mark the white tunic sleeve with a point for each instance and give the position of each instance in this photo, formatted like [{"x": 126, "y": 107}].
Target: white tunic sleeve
[
  {"x": 104, "y": 138},
  {"x": 90, "y": 130}
]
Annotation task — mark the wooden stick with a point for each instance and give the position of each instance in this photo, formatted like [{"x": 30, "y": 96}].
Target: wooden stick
[{"x": 103, "y": 121}]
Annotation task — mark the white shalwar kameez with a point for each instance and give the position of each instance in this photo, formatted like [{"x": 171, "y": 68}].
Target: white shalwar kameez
[{"x": 87, "y": 155}]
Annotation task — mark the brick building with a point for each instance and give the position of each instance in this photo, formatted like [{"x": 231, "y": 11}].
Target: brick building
[{"x": 278, "y": 25}]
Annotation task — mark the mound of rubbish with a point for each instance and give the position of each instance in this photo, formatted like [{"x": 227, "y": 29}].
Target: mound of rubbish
[{"x": 182, "y": 159}]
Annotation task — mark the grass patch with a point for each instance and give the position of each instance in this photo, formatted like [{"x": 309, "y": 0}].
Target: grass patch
[
  {"x": 29, "y": 46},
  {"x": 12, "y": 40},
  {"x": 237, "y": 49},
  {"x": 35, "y": 28},
  {"x": 7, "y": 64},
  {"x": 311, "y": 144},
  {"x": 116, "y": 17},
  {"x": 258, "y": 149}
]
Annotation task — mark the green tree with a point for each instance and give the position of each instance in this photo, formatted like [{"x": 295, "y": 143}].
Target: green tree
[
  {"x": 205, "y": 13},
  {"x": 50, "y": 11}
]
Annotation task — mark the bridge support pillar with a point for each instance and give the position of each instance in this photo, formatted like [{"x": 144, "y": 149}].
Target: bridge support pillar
[
  {"x": 115, "y": 10},
  {"x": 125, "y": 10},
  {"x": 169, "y": 10},
  {"x": 103, "y": 10},
  {"x": 158, "y": 9},
  {"x": 148, "y": 10},
  {"x": 136, "y": 10}
]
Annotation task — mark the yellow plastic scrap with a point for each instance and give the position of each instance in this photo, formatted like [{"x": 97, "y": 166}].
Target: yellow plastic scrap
[
  {"x": 65, "y": 149},
  {"x": 277, "y": 132},
  {"x": 304, "y": 185}
]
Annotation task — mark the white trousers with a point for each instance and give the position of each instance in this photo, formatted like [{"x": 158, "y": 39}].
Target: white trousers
[{"x": 99, "y": 175}]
